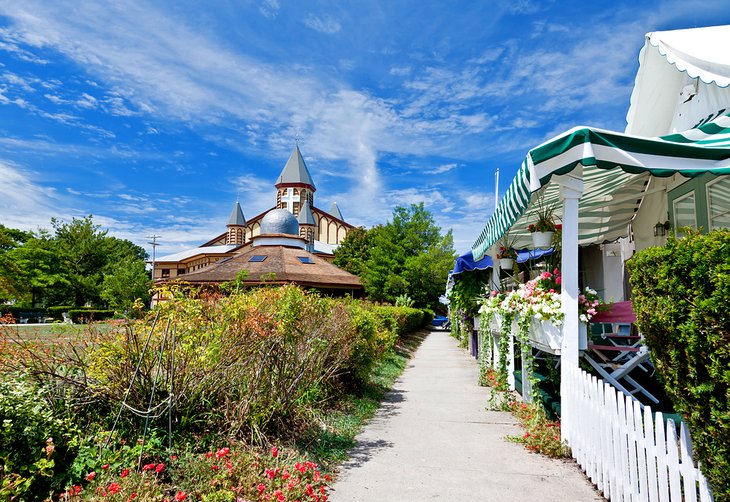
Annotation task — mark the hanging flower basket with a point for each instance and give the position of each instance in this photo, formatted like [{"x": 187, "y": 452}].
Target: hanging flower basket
[
  {"x": 506, "y": 263},
  {"x": 542, "y": 239}
]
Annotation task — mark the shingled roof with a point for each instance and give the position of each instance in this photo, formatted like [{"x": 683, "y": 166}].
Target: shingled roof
[{"x": 281, "y": 264}]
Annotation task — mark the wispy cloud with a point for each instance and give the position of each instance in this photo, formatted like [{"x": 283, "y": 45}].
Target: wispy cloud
[
  {"x": 444, "y": 168},
  {"x": 323, "y": 24},
  {"x": 269, "y": 8}
]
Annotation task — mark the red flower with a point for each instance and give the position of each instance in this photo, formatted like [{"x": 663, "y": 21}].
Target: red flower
[
  {"x": 222, "y": 452},
  {"x": 271, "y": 473},
  {"x": 124, "y": 474},
  {"x": 91, "y": 475},
  {"x": 180, "y": 496},
  {"x": 527, "y": 435},
  {"x": 274, "y": 451},
  {"x": 279, "y": 496},
  {"x": 309, "y": 490},
  {"x": 208, "y": 455},
  {"x": 148, "y": 467},
  {"x": 132, "y": 496},
  {"x": 214, "y": 467},
  {"x": 105, "y": 467},
  {"x": 160, "y": 467},
  {"x": 77, "y": 489},
  {"x": 286, "y": 475},
  {"x": 261, "y": 488},
  {"x": 114, "y": 488},
  {"x": 173, "y": 457},
  {"x": 327, "y": 477}
]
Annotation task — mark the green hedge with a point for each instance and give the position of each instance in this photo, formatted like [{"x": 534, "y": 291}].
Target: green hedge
[
  {"x": 84, "y": 315},
  {"x": 682, "y": 301}
]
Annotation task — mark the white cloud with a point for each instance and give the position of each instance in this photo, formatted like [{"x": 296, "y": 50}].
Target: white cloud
[
  {"x": 400, "y": 71},
  {"x": 444, "y": 168},
  {"x": 24, "y": 203},
  {"x": 269, "y": 8},
  {"x": 324, "y": 24}
]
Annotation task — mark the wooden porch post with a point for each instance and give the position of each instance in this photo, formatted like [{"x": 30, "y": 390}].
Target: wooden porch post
[{"x": 571, "y": 189}]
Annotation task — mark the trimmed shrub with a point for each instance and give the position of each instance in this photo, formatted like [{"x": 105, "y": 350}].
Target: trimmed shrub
[{"x": 681, "y": 297}]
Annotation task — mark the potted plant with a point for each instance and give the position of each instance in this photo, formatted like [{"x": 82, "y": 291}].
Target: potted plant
[
  {"x": 506, "y": 254},
  {"x": 544, "y": 228}
]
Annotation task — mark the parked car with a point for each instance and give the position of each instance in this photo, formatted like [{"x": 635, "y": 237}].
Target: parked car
[{"x": 440, "y": 321}]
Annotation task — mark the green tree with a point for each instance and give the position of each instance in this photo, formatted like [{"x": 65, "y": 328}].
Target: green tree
[
  {"x": 10, "y": 239},
  {"x": 126, "y": 281},
  {"x": 408, "y": 256},
  {"x": 39, "y": 277},
  {"x": 353, "y": 252}
]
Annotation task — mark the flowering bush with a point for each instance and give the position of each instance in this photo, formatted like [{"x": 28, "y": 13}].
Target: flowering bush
[
  {"x": 589, "y": 303},
  {"x": 222, "y": 475},
  {"x": 541, "y": 435}
]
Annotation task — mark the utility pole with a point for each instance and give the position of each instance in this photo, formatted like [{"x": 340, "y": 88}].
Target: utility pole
[{"x": 154, "y": 249}]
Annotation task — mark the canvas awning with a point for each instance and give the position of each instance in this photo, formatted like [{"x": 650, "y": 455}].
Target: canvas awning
[
  {"x": 683, "y": 80},
  {"x": 466, "y": 262},
  {"x": 615, "y": 171}
]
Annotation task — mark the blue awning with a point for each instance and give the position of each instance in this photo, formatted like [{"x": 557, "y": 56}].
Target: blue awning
[{"x": 466, "y": 263}]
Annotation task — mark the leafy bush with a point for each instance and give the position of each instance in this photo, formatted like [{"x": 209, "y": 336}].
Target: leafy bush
[
  {"x": 35, "y": 444},
  {"x": 681, "y": 297}
]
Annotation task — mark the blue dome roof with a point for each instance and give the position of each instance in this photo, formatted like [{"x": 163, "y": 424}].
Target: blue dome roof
[{"x": 279, "y": 221}]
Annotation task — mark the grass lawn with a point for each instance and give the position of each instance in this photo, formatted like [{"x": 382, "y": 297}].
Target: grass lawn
[{"x": 330, "y": 442}]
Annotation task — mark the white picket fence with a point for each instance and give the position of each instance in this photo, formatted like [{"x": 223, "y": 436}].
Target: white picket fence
[{"x": 628, "y": 452}]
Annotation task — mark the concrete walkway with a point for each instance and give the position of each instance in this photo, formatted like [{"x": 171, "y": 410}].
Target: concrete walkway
[{"x": 434, "y": 440}]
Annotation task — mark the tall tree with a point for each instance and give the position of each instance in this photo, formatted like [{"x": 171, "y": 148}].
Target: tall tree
[{"x": 408, "y": 256}]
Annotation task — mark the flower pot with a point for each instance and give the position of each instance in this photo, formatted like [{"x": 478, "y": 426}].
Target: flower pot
[
  {"x": 506, "y": 263},
  {"x": 542, "y": 239}
]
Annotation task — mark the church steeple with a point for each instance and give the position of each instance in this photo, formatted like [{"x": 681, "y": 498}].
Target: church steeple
[
  {"x": 294, "y": 186},
  {"x": 236, "y": 226},
  {"x": 295, "y": 172}
]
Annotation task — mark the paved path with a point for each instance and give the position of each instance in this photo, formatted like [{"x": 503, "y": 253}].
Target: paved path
[{"x": 433, "y": 440}]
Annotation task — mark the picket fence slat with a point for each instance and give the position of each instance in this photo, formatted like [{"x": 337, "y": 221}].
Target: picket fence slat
[
  {"x": 628, "y": 452},
  {"x": 640, "y": 451},
  {"x": 661, "y": 442},
  {"x": 651, "y": 463}
]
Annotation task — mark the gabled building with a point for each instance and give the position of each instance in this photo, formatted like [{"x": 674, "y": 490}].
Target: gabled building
[{"x": 322, "y": 231}]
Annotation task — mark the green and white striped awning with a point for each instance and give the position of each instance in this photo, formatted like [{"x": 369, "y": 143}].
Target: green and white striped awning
[{"x": 616, "y": 171}]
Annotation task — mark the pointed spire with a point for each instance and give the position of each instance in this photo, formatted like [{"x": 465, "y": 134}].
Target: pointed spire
[
  {"x": 236, "y": 217},
  {"x": 305, "y": 215},
  {"x": 335, "y": 211},
  {"x": 295, "y": 170}
]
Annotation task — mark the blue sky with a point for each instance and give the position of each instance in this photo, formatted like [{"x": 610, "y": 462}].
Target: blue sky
[{"x": 152, "y": 116}]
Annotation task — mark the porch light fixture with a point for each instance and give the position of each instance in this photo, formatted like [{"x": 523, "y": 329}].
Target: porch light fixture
[{"x": 661, "y": 229}]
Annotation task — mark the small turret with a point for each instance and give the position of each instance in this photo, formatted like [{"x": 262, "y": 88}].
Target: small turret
[{"x": 236, "y": 226}]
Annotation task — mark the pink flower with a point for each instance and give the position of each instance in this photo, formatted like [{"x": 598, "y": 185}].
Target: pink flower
[
  {"x": 271, "y": 473},
  {"x": 558, "y": 280},
  {"x": 222, "y": 452},
  {"x": 261, "y": 488}
]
